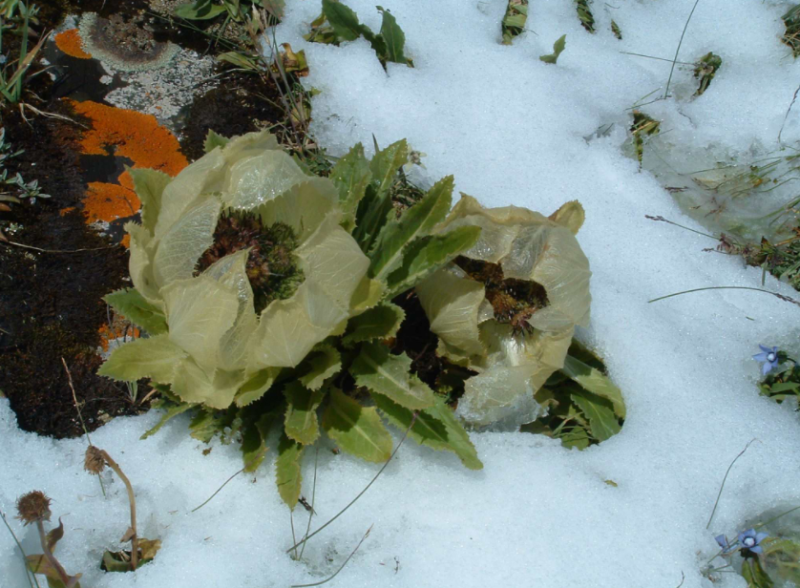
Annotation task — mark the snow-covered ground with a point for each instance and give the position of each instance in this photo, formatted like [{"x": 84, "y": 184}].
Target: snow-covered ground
[{"x": 512, "y": 130}]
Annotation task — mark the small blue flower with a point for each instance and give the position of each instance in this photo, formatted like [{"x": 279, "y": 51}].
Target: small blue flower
[
  {"x": 727, "y": 548},
  {"x": 768, "y": 358},
  {"x": 751, "y": 540}
]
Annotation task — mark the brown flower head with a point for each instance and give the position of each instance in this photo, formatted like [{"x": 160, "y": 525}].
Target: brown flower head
[
  {"x": 32, "y": 507},
  {"x": 94, "y": 462}
]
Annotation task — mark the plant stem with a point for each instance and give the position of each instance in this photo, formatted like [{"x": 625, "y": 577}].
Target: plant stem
[
  {"x": 28, "y": 572},
  {"x": 50, "y": 557},
  {"x": 132, "y": 499}
]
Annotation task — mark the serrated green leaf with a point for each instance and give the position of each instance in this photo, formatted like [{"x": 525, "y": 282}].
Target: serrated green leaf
[
  {"x": 343, "y": 20},
  {"x": 288, "y": 476},
  {"x": 371, "y": 215},
  {"x": 575, "y": 436},
  {"x": 602, "y": 420},
  {"x": 436, "y": 427},
  {"x": 380, "y": 322},
  {"x": 385, "y": 163},
  {"x": 390, "y": 375},
  {"x": 172, "y": 412},
  {"x": 393, "y": 37},
  {"x": 415, "y": 222},
  {"x": 427, "y": 254},
  {"x": 323, "y": 362},
  {"x": 351, "y": 175},
  {"x": 149, "y": 184},
  {"x": 213, "y": 140},
  {"x": 155, "y": 358},
  {"x": 256, "y": 386},
  {"x": 358, "y": 430},
  {"x": 132, "y": 305},
  {"x": 200, "y": 10},
  {"x": 300, "y": 422},
  {"x": 595, "y": 381},
  {"x": 208, "y": 423},
  {"x": 558, "y": 47},
  {"x": 254, "y": 440}
]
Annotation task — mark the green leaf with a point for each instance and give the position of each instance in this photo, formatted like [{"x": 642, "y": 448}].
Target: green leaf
[
  {"x": 380, "y": 322},
  {"x": 213, "y": 140},
  {"x": 239, "y": 60},
  {"x": 428, "y": 254},
  {"x": 386, "y": 163},
  {"x": 172, "y": 411},
  {"x": 416, "y": 222},
  {"x": 558, "y": 47},
  {"x": 300, "y": 422},
  {"x": 372, "y": 214},
  {"x": 595, "y": 381},
  {"x": 436, "y": 427},
  {"x": 755, "y": 575},
  {"x": 343, "y": 20},
  {"x": 156, "y": 358},
  {"x": 514, "y": 20},
  {"x": 149, "y": 184},
  {"x": 393, "y": 37},
  {"x": 351, "y": 175},
  {"x": 206, "y": 423},
  {"x": 256, "y": 386},
  {"x": 356, "y": 429},
  {"x": 287, "y": 470},
  {"x": 323, "y": 362},
  {"x": 600, "y": 413},
  {"x": 254, "y": 440},
  {"x": 200, "y": 10},
  {"x": 390, "y": 375},
  {"x": 132, "y": 305}
]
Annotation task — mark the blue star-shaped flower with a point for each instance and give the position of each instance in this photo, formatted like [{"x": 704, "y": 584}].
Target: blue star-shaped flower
[
  {"x": 768, "y": 358},
  {"x": 751, "y": 540}
]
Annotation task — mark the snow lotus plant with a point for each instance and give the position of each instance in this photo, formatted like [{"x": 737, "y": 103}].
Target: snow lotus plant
[
  {"x": 273, "y": 298},
  {"x": 507, "y": 307}
]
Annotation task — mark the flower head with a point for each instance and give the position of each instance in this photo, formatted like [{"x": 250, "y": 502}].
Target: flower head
[
  {"x": 94, "y": 462},
  {"x": 769, "y": 359},
  {"x": 32, "y": 507},
  {"x": 727, "y": 548},
  {"x": 751, "y": 541}
]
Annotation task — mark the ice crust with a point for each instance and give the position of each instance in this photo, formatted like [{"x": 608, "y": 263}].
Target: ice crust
[{"x": 511, "y": 129}]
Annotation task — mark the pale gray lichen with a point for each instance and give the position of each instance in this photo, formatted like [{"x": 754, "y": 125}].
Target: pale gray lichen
[{"x": 123, "y": 45}]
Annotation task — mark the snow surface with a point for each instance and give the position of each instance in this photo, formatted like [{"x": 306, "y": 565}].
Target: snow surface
[{"x": 511, "y": 129}]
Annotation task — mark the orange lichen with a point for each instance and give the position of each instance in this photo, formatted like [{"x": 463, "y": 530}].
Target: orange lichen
[
  {"x": 130, "y": 134},
  {"x": 118, "y": 330},
  {"x": 66, "y": 211},
  {"x": 70, "y": 43}
]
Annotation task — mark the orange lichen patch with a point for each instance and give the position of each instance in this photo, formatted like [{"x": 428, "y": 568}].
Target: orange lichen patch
[
  {"x": 66, "y": 211},
  {"x": 126, "y": 241},
  {"x": 70, "y": 43},
  {"x": 108, "y": 202},
  {"x": 130, "y": 134},
  {"x": 119, "y": 329}
]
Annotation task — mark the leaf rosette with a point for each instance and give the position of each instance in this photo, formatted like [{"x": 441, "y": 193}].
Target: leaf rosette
[
  {"x": 208, "y": 340},
  {"x": 507, "y": 307}
]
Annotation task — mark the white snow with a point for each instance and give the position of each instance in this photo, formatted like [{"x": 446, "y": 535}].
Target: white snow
[{"x": 511, "y": 129}]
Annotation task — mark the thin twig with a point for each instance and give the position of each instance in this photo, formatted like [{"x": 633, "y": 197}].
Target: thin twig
[
  {"x": 675, "y": 60},
  {"x": 722, "y": 486},
  {"x": 340, "y": 569},
  {"x": 218, "y": 490},
  {"x": 360, "y": 494},
  {"x": 28, "y": 572},
  {"x": 781, "y": 296},
  {"x": 788, "y": 110},
  {"x": 663, "y": 220},
  {"x": 657, "y": 58},
  {"x": 39, "y": 249},
  {"x": 764, "y": 524},
  {"x": 80, "y": 416},
  {"x": 48, "y": 554},
  {"x": 294, "y": 537},
  {"x": 313, "y": 499}
]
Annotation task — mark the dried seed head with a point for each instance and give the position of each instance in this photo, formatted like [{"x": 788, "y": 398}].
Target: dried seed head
[
  {"x": 94, "y": 461},
  {"x": 33, "y": 506}
]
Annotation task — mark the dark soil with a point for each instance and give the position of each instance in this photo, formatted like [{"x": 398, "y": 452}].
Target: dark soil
[
  {"x": 243, "y": 103},
  {"x": 51, "y": 303}
]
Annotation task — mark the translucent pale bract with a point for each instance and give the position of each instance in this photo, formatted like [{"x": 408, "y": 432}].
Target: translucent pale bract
[
  {"x": 255, "y": 180},
  {"x": 512, "y": 365}
]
